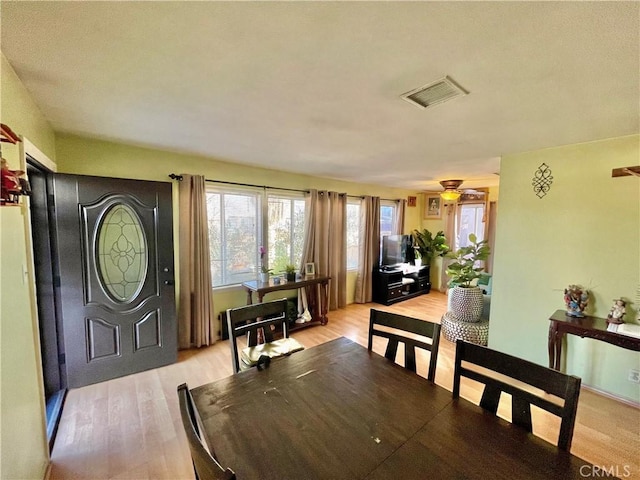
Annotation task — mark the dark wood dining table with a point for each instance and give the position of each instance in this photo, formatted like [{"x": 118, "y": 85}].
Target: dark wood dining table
[{"x": 338, "y": 411}]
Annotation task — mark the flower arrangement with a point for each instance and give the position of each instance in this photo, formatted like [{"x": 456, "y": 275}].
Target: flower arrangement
[{"x": 263, "y": 267}]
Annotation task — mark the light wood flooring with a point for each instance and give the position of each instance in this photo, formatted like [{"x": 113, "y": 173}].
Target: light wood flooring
[{"x": 130, "y": 428}]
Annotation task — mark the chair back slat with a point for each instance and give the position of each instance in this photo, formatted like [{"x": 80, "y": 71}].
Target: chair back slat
[
  {"x": 205, "y": 464},
  {"x": 249, "y": 319},
  {"x": 552, "y": 381},
  {"x": 423, "y": 328},
  {"x": 565, "y": 387}
]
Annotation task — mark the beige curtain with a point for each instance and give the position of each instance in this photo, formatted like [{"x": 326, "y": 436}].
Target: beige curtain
[
  {"x": 195, "y": 313},
  {"x": 398, "y": 228},
  {"x": 325, "y": 241},
  {"x": 369, "y": 255},
  {"x": 449, "y": 220}
]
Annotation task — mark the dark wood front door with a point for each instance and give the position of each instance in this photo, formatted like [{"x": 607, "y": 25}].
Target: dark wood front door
[{"x": 116, "y": 287}]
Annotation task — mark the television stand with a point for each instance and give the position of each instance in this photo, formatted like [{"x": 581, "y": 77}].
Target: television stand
[
  {"x": 390, "y": 268},
  {"x": 393, "y": 284}
]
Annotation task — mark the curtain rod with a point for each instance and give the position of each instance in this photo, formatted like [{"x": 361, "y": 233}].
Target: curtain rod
[{"x": 179, "y": 178}]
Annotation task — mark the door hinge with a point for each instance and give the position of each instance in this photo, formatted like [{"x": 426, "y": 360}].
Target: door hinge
[
  {"x": 56, "y": 281},
  {"x": 62, "y": 359}
]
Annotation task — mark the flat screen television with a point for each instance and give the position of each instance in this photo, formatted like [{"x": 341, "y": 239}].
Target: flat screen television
[{"x": 396, "y": 249}]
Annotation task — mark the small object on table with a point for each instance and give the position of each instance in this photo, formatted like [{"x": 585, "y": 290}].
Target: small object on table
[
  {"x": 616, "y": 315},
  {"x": 576, "y": 299}
]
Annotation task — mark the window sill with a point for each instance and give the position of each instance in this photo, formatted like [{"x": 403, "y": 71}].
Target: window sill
[{"x": 227, "y": 288}]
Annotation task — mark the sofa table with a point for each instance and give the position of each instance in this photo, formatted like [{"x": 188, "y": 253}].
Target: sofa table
[
  {"x": 587, "y": 326},
  {"x": 318, "y": 293}
]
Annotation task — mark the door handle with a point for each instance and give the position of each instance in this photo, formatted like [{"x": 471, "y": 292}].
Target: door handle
[{"x": 168, "y": 282}]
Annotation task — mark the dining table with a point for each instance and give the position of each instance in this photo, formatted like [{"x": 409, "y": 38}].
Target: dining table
[{"x": 340, "y": 411}]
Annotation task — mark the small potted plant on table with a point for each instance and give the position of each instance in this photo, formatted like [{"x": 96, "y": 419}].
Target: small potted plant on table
[
  {"x": 290, "y": 271},
  {"x": 265, "y": 271}
]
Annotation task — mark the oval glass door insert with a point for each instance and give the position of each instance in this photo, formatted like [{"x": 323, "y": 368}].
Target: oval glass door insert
[{"x": 122, "y": 253}]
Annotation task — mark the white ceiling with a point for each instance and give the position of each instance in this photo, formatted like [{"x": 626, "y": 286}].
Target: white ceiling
[{"x": 314, "y": 87}]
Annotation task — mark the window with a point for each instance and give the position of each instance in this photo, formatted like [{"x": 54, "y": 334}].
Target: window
[
  {"x": 353, "y": 235},
  {"x": 234, "y": 235},
  {"x": 387, "y": 219},
  {"x": 242, "y": 219},
  {"x": 285, "y": 227},
  {"x": 470, "y": 220}
]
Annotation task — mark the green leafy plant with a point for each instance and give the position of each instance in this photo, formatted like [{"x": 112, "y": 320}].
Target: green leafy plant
[
  {"x": 466, "y": 265},
  {"x": 290, "y": 271},
  {"x": 427, "y": 246}
]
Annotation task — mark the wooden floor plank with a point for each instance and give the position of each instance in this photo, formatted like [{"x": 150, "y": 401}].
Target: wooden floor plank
[{"x": 130, "y": 428}]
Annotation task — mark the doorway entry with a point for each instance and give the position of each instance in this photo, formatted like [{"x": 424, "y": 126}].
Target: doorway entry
[
  {"x": 103, "y": 257},
  {"x": 45, "y": 270}
]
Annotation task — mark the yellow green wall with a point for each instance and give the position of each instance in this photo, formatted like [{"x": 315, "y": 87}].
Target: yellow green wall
[
  {"x": 85, "y": 156},
  {"x": 23, "y": 439},
  {"x": 586, "y": 230}
]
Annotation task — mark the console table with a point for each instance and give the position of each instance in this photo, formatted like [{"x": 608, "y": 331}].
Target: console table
[
  {"x": 318, "y": 294},
  {"x": 587, "y": 326}
]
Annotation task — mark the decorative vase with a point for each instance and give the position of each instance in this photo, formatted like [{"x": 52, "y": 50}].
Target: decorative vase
[
  {"x": 418, "y": 262},
  {"x": 264, "y": 277},
  {"x": 466, "y": 303}
]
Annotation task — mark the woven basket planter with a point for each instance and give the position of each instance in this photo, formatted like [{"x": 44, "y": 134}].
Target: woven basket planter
[
  {"x": 466, "y": 303},
  {"x": 453, "y": 329}
]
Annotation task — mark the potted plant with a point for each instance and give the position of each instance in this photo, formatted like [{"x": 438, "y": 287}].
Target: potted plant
[
  {"x": 427, "y": 246},
  {"x": 465, "y": 299},
  {"x": 290, "y": 271},
  {"x": 264, "y": 269}
]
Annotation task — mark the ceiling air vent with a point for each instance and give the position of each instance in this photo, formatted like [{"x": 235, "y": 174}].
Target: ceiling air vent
[{"x": 434, "y": 93}]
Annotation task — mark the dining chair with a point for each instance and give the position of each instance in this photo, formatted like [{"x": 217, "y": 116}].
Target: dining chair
[
  {"x": 401, "y": 325},
  {"x": 268, "y": 319},
  {"x": 205, "y": 465},
  {"x": 548, "y": 381}
]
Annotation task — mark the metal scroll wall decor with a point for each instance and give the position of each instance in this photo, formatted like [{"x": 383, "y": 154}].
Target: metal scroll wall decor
[{"x": 542, "y": 180}]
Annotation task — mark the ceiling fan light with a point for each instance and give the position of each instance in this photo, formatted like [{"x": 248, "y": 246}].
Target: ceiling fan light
[
  {"x": 450, "y": 195},
  {"x": 451, "y": 192}
]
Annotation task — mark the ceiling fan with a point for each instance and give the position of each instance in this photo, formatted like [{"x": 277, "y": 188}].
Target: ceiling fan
[{"x": 452, "y": 190}]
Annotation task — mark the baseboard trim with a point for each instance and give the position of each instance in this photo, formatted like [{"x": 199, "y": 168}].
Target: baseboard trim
[{"x": 626, "y": 401}]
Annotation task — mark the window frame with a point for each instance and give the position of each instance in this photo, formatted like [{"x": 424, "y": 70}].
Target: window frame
[
  {"x": 222, "y": 189},
  {"x": 262, "y": 197},
  {"x": 357, "y": 203},
  {"x": 293, "y": 197}
]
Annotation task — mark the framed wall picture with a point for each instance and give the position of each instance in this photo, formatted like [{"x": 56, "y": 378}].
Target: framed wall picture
[
  {"x": 309, "y": 269},
  {"x": 433, "y": 206},
  {"x": 412, "y": 201}
]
